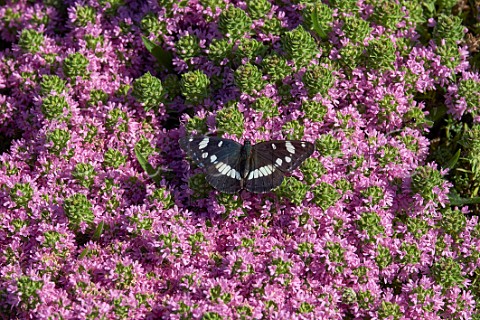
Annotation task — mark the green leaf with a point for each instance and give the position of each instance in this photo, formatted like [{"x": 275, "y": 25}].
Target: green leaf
[
  {"x": 83, "y": 253},
  {"x": 453, "y": 161},
  {"x": 163, "y": 57},
  {"x": 98, "y": 231},
  {"x": 437, "y": 113},
  {"x": 455, "y": 200},
  {"x": 155, "y": 174},
  {"x": 315, "y": 24}
]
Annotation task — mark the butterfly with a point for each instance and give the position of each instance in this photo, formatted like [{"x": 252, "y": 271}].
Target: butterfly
[{"x": 231, "y": 166}]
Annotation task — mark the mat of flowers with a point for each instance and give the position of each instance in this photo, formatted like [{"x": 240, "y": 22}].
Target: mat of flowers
[{"x": 104, "y": 216}]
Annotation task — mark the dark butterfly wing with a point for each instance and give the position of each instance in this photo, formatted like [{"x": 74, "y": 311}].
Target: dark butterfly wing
[
  {"x": 219, "y": 156},
  {"x": 270, "y": 160},
  {"x": 227, "y": 180},
  {"x": 285, "y": 155},
  {"x": 263, "y": 175}
]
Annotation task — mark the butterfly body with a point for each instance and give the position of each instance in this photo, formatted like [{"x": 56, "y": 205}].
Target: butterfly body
[{"x": 232, "y": 166}]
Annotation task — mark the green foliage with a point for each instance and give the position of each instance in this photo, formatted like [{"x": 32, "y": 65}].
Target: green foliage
[
  {"x": 447, "y": 272},
  {"x": 78, "y": 210},
  {"x": 84, "y": 15},
  {"x": 28, "y": 291},
  {"x": 75, "y": 65},
  {"x": 351, "y": 55},
  {"x": 230, "y": 202},
  {"x": 453, "y": 222},
  {"x": 51, "y": 239},
  {"x": 381, "y": 54},
  {"x": 328, "y": 145},
  {"x": 325, "y": 195},
  {"x": 318, "y": 79},
  {"x": 272, "y": 26},
  {"x": 374, "y": 193},
  {"x": 318, "y": 17},
  {"x": 51, "y": 83},
  {"x": 163, "y": 196},
  {"x": 59, "y": 139},
  {"x": 314, "y": 110},
  {"x": 370, "y": 222},
  {"x": 306, "y": 307},
  {"x": 195, "y": 241},
  {"x": 234, "y": 23},
  {"x": 114, "y": 158},
  {"x": 97, "y": 95},
  {"x": 346, "y": 6},
  {"x": 424, "y": 180},
  {"x": 150, "y": 24},
  {"x": 194, "y": 86},
  {"x": 389, "y": 310},
  {"x": 469, "y": 90},
  {"x": 21, "y": 194},
  {"x": 349, "y": 296},
  {"x": 124, "y": 276},
  {"x": 53, "y": 107},
  {"x": 336, "y": 255},
  {"x": 91, "y": 133},
  {"x": 299, "y": 46},
  {"x": 248, "y": 78},
  {"x": 384, "y": 257},
  {"x": 293, "y": 190},
  {"x": 188, "y": 47},
  {"x": 294, "y": 130},
  {"x": 216, "y": 295},
  {"x": 219, "y": 50},
  {"x": 449, "y": 54},
  {"x": 267, "y": 106},
  {"x": 250, "y": 49},
  {"x": 230, "y": 120},
  {"x": 148, "y": 91},
  {"x": 197, "y": 124},
  {"x": 84, "y": 174},
  {"x": 282, "y": 266},
  {"x": 412, "y": 253},
  {"x": 93, "y": 42},
  {"x": 312, "y": 169},
  {"x": 387, "y": 13},
  {"x": 418, "y": 227},
  {"x": 356, "y": 29},
  {"x": 30, "y": 40},
  {"x": 276, "y": 67},
  {"x": 211, "y": 316},
  {"x": 117, "y": 119},
  {"x": 171, "y": 86},
  {"x": 112, "y": 6},
  {"x": 257, "y": 9},
  {"x": 199, "y": 185},
  {"x": 449, "y": 28},
  {"x": 214, "y": 5},
  {"x": 388, "y": 154}
]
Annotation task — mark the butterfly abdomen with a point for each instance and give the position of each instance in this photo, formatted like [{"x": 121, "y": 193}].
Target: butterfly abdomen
[{"x": 245, "y": 156}]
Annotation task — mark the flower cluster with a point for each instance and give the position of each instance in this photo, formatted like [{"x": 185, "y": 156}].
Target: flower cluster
[{"x": 364, "y": 229}]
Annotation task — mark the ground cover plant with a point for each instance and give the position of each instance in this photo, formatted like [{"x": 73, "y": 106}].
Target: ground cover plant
[{"x": 103, "y": 216}]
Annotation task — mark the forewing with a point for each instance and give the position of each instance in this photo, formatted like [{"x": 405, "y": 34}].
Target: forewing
[
  {"x": 284, "y": 155},
  {"x": 206, "y": 151},
  {"x": 219, "y": 156}
]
